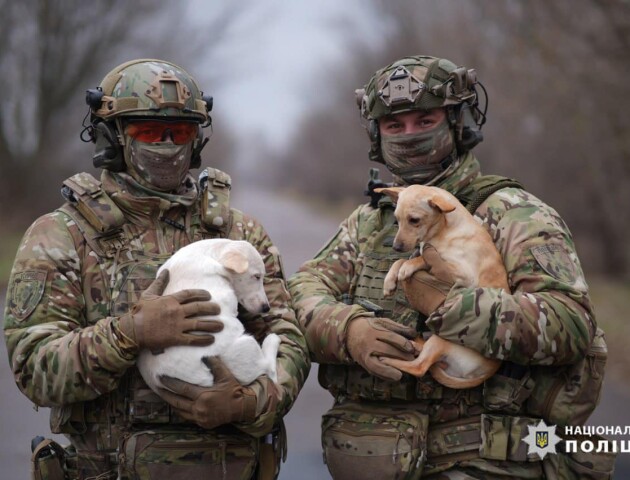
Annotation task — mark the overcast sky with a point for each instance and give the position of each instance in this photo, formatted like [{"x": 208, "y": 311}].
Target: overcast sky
[{"x": 277, "y": 52}]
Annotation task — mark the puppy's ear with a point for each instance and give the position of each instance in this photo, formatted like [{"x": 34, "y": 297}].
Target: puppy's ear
[
  {"x": 392, "y": 192},
  {"x": 234, "y": 261},
  {"x": 444, "y": 205}
]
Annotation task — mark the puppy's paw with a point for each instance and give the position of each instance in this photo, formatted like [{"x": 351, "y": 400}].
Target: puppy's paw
[
  {"x": 406, "y": 271},
  {"x": 389, "y": 285}
]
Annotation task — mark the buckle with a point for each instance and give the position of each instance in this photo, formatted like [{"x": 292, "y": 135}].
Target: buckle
[{"x": 112, "y": 243}]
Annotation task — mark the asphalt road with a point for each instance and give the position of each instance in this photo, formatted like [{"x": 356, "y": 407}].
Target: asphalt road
[{"x": 298, "y": 233}]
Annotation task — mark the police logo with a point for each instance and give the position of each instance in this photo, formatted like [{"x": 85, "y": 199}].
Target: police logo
[
  {"x": 542, "y": 439},
  {"x": 26, "y": 292}
]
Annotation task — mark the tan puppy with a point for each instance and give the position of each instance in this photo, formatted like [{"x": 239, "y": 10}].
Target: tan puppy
[{"x": 432, "y": 215}]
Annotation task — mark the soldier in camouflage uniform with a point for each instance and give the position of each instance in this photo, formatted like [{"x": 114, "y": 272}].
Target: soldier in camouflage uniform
[
  {"x": 423, "y": 119},
  {"x": 76, "y": 315}
]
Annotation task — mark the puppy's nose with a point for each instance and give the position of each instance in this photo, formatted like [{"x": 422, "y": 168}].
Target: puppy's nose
[
  {"x": 398, "y": 246},
  {"x": 266, "y": 308}
]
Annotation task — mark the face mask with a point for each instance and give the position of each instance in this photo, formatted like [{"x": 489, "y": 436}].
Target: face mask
[
  {"x": 162, "y": 166},
  {"x": 418, "y": 157}
]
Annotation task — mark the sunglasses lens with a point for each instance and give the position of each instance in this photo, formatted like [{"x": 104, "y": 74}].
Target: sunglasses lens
[
  {"x": 153, "y": 132},
  {"x": 183, "y": 132}
]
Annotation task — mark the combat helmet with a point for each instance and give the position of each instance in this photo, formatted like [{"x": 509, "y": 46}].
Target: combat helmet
[
  {"x": 142, "y": 89},
  {"x": 421, "y": 83}
]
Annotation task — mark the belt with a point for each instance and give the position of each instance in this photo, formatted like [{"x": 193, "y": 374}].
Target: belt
[{"x": 488, "y": 436}]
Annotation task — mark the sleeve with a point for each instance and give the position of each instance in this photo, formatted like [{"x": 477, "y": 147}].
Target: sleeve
[
  {"x": 547, "y": 318},
  {"x": 293, "y": 364},
  {"x": 317, "y": 290},
  {"x": 56, "y": 358}
]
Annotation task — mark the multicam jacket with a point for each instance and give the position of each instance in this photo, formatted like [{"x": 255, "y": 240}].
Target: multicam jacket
[
  {"x": 547, "y": 319},
  {"x": 63, "y": 303}
]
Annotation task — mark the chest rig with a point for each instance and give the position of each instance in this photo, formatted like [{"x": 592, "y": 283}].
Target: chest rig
[
  {"x": 126, "y": 270},
  {"x": 352, "y": 381}
]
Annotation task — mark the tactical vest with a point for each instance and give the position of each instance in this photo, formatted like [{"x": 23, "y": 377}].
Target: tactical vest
[
  {"x": 488, "y": 422},
  {"x": 133, "y": 407},
  {"x": 351, "y": 381}
]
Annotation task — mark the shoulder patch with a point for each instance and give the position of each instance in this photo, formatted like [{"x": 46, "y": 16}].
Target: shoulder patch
[
  {"x": 555, "y": 260},
  {"x": 27, "y": 290}
]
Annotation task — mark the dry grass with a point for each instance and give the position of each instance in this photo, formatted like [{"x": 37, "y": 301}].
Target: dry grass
[
  {"x": 8, "y": 247},
  {"x": 612, "y": 301}
]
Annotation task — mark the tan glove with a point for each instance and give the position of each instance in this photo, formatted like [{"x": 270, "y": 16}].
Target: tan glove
[
  {"x": 227, "y": 401},
  {"x": 370, "y": 338},
  {"x": 157, "y": 322},
  {"x": 427, "y": 289}
]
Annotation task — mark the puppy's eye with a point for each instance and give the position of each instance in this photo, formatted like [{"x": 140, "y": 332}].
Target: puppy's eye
[
  {"x": 258, "y": 276},
  {"x": 414, "y": 221}
]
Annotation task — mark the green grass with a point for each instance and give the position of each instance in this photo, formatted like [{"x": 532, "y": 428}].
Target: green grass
[
  {"x": 8, "y": 247},
  {"x": 612, "y": 299}
]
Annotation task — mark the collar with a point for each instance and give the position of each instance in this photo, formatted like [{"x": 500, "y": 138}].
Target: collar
[
  {"x": 138, "y": 202},
  {"x": 459, "y": 175}
]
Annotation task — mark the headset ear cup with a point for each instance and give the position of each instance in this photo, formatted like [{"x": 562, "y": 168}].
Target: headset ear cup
[
  {"x": 199, "y": 143},
  {"x": 108, "y": 153},
  {"x": 372, "y": 130},
  {"x": 374, "y": 134},
  {"x": 467, "y": 132}
]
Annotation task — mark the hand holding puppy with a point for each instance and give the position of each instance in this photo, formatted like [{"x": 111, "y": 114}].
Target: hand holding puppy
[
  {"x": 371, "y": 338},
  {"x": 227, "y": 401},
  {"x": 157, "y": 322}
]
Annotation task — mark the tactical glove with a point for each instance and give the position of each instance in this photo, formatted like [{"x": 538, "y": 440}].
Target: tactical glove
[
  {"x": 370, "y": 338},
  {"x": 427, "y": 289},
  {"x": 157, "y": 322},
  {"x": 227, "y": 401}
]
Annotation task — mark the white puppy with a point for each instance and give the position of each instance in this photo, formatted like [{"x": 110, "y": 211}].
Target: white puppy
[{"x": 232, "y": 271}]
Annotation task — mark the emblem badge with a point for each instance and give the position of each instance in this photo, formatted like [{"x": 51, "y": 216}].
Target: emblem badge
[
  {"x": 27, "y": 290},
  {"x": 555, "y": 260},
  {"x": 542, "y": 439}
]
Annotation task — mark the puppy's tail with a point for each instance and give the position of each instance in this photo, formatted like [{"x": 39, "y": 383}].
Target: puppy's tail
[{"x": 270, "y": 352}]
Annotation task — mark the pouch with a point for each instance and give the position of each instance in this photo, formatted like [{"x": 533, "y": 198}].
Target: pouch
[
  {"x": 567, "y": 395},
  {"x": 183, "y": 455},
  {"x": 360, "y": 441},
  {"x": 47, "y": 461},
  {"x": 506, "y": 394},
  {"x": 215, "y": 211},
  {"x": 580, "y": 465}
]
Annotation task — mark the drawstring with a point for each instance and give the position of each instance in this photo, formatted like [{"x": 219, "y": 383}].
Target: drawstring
[
  {"x": 187, "y": 222},
  {"x": 112, "y": 278},
  {"x": 223, "y": 446},
  {"x": 395, "y": 452}
]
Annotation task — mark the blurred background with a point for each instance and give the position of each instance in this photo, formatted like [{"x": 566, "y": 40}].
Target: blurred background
[{"x": 286, "y": 127}]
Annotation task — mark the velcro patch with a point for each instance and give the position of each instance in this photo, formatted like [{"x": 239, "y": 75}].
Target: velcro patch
[
  {"x": 555, "y": 260},
  {"x": 27, "y": 290}
]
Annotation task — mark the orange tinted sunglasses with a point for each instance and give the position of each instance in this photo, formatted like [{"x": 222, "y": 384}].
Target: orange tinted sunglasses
[{"x": 153, "y": 131}]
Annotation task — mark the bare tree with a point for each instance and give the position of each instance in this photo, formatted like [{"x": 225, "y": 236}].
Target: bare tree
[
  {"x": 50, "y": 52},
  {"x": 328, "y": 158},
  {"x": 565, "y": 65},
  {"x": 555, "y": 73}
]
